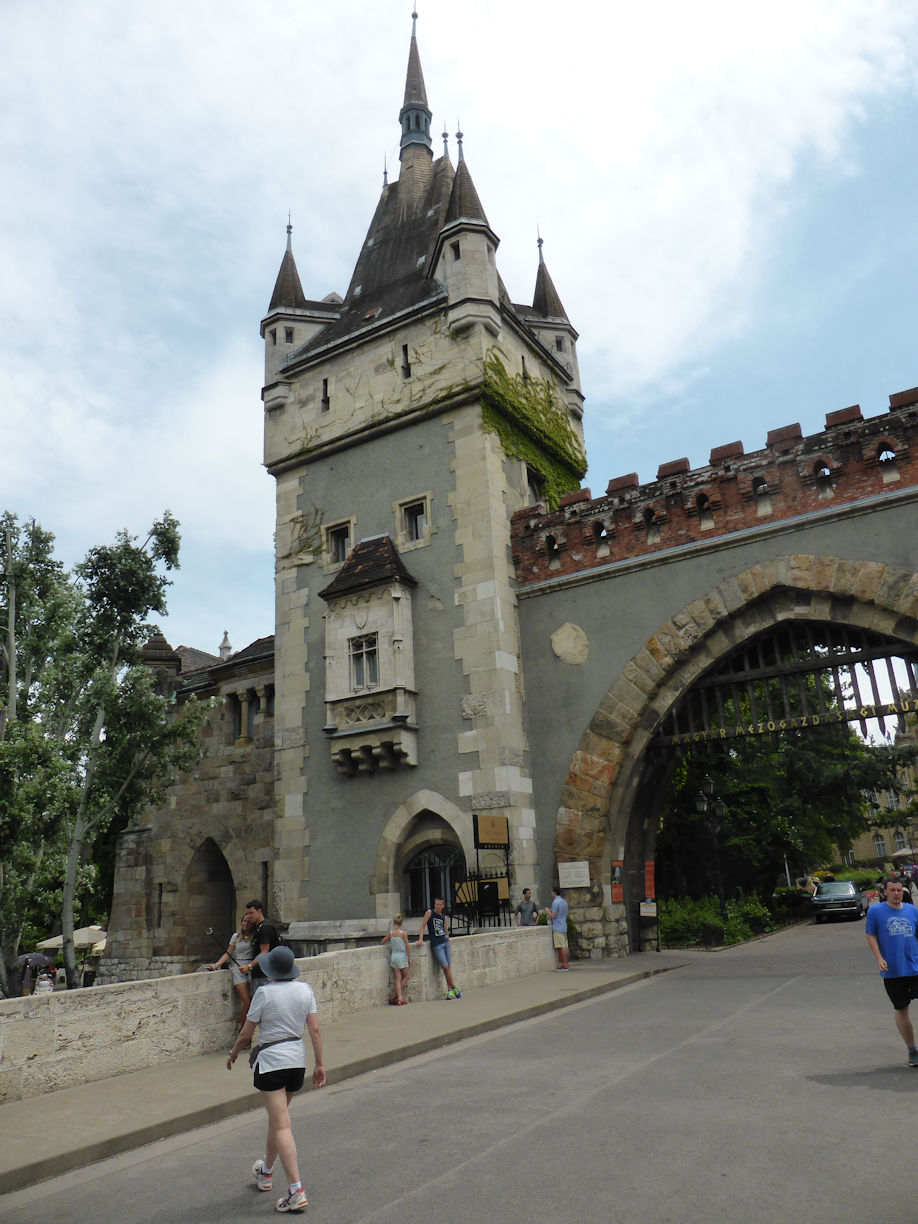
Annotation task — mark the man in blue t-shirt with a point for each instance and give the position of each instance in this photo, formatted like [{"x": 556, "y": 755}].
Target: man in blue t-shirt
[
  {"x": 558, "y": 914},
  {"x": 892, "y": 935}
]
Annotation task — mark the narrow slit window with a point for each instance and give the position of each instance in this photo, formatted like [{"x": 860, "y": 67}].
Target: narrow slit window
[
  {"x": 406, "y": 364},
  {"x": 326, "y": 402}
]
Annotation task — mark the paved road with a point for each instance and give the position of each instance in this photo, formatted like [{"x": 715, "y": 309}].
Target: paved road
[{"x": 755, "y": 1085}]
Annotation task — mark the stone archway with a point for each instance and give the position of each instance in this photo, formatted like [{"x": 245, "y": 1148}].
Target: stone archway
[
  {"x": 207, "y": 898},
  {"x": 386, "y": 884},
  {"x": 594, "y": 819}
]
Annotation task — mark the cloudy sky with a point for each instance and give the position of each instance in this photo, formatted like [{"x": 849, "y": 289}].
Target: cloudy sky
[{"x": 726, "y": 192}]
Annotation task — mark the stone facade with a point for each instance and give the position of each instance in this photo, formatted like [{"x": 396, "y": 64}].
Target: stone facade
[{"x": 209, "y": 848}]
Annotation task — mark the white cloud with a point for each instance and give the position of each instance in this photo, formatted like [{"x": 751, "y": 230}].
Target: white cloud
[{"x": 151, "y": 152}]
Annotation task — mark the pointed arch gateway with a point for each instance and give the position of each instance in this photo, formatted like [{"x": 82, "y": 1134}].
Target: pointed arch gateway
[{"x": 608, "y": 799}]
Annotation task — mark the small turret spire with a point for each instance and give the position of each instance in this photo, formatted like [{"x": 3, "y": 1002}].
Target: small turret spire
[
  {"x": 287, "y": 288},
  {"x": 460, "y": 156},
  {"x": 415, "y": 115},
  {"x": 545, "y": 299},
  {"x": 445, "y": 135}
]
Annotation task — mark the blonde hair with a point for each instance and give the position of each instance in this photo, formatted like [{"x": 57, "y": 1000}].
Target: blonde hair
[{"x": 399, "y": 919}]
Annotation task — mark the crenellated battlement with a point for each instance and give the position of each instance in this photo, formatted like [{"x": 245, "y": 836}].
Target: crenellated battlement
[{"x": 853, "y": 458}]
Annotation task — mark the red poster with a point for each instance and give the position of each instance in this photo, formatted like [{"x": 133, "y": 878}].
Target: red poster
[{"x": 649, "y": 887}]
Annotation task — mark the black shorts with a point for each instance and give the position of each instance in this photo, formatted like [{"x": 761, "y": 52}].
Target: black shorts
[
  {"x": 901, "y": 991},
  {"x": 288, "y": 1078}
]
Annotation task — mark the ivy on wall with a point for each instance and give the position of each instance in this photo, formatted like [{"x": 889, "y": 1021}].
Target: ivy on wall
[{"x": 532, "y": 426}]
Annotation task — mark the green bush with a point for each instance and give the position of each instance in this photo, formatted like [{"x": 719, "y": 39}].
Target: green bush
[
  {"x": 688, "y": 923},
  {"x": 790, "y": 904}
]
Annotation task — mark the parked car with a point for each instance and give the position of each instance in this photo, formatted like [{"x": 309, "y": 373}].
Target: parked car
[{"x": 840, "y": 899}]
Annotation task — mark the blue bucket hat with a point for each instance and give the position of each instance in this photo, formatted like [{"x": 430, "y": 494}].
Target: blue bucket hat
[{"x": 279, "y": 964}]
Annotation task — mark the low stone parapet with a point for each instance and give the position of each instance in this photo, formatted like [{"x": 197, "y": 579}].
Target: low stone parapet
[{"x": 72, "y": 1037}]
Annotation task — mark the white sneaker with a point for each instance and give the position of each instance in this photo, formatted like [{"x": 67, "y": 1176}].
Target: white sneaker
[
  {"x": 262, "y": 1179},
  {"x": 295, "y": 1201}
]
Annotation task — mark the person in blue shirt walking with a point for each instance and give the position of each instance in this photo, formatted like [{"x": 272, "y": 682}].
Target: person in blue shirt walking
[
  {"x": 892, "y": 936},
  {"x": 558, "y": 913}
]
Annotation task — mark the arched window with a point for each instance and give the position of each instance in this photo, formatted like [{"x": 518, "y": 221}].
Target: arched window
[
  {"x": 762, "y": 496},
  {"x": 651, "y": 526},
  {"x": 901, "y": 840},
  {"x": 879, "y": 846},
  {"x": 705, "y": 513},
  {"x": 601, "y": 538},
  {"x": 434, "y": 872},
  {"x": 823, "y": 477},
  {"x": 889, "y": 466}
]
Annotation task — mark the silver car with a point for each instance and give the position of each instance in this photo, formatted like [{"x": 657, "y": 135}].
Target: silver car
[{"x": 839, "y": 899}]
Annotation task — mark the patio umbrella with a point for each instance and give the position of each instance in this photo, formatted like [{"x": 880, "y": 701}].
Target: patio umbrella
[
  {"x": 83, "y": 937},
  {"x": 907, "y": 853},
  {"x": 34, "y": 960}
]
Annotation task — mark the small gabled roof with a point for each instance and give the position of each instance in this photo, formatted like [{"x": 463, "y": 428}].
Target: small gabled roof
[
  {"x": 194, "y": 659},
  {"x": 373, "y": 562}
]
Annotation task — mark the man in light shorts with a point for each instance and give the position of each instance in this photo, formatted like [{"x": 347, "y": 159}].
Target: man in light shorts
[
  {"x": 558, "y": 914},
  {"x": 439, "y": 943}
]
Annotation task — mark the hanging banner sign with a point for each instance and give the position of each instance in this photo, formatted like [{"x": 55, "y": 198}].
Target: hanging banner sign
[
  {"x": 649, "y": 887},
  {"x": 774, "y": 725}
]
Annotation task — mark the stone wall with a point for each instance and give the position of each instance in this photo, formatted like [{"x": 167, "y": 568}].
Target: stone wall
[{"x": 74, "y": 1037}]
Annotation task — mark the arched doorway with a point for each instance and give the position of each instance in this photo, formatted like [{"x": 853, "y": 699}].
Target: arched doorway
[
  {"x": 207, "y": 899},
  {"x": 434, "y": 872},
  {"x": 611, "y": 767}
]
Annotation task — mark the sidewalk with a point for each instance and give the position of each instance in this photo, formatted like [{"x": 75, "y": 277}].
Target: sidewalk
[{"x": 59, "y": 1131}]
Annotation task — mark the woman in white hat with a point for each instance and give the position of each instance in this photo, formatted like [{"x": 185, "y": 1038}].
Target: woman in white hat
[{"x": 285, "y": 1010}]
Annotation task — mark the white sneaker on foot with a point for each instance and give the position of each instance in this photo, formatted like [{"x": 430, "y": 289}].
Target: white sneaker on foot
[
  {"x": 262, "y": 1179},
  {"x": 295, "y": 1201}
]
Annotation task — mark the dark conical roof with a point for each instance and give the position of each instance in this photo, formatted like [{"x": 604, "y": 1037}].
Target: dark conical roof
[
  {"x": 288, "y": 292},
  {"x": 415, "y": 93},
  {"x": 545, "y": 299},
  {"x": 463, "y": 201}
]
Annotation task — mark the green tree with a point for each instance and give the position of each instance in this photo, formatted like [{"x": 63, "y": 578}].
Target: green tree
[
  {"x": 795, "y": 795},
  {"x": 88, "y": 739}
]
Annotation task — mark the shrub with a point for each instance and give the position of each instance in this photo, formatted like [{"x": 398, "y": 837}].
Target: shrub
[
  {"x": 687, "y": 923},
  {"x": 790, "y": 904}
]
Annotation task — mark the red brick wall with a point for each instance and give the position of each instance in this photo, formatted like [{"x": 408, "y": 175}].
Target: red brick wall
[{"x": 683, "y": 506}]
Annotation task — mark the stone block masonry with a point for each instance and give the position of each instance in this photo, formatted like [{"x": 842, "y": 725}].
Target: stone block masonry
[{"x": 75, "y": 1037}]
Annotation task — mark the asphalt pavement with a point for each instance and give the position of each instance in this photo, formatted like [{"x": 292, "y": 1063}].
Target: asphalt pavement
[
  {"x": 745, "y": 1086},
  {"x": 45, "y": 1136}
]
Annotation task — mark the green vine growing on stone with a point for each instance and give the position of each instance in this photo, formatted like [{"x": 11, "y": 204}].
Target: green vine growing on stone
[{"x": 532, "y": 426}]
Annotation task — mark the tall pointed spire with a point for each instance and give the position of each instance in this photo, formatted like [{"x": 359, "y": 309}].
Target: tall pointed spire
[
  {"x": 545, "y": 299},
  {"x": 287, "y": 288},
  {"x": 415, "y": 115}
]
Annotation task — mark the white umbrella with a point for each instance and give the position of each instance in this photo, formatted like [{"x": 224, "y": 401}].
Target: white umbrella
[
  {"x": 83, "y": 937},
  {"x": 908, "y": 853}
]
